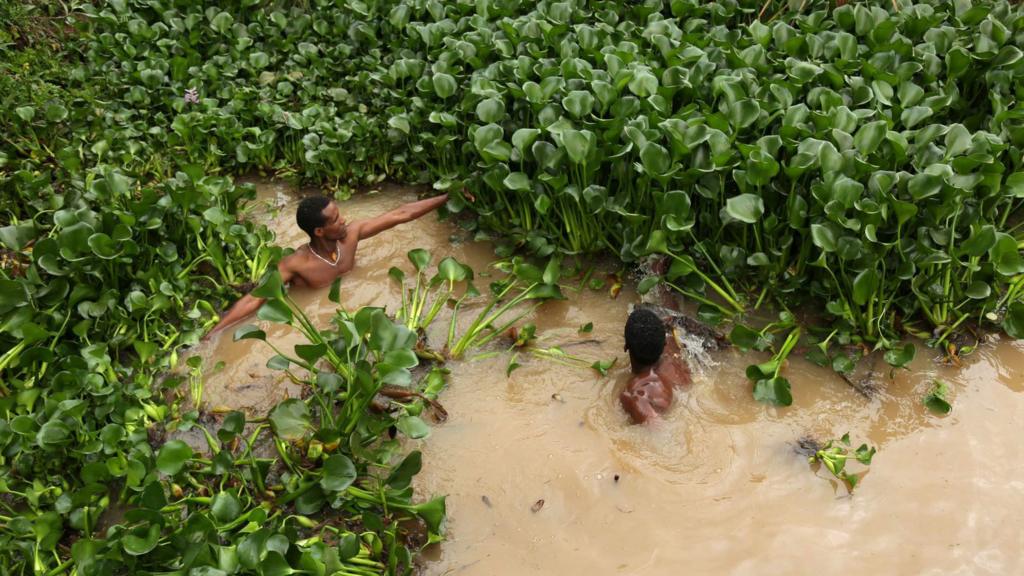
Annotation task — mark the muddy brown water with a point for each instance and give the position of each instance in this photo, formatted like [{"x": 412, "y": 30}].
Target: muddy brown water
[{"x": 716, "y": 487}]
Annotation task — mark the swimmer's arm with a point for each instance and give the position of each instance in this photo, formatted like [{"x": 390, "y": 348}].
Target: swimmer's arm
[
  {"x": 639, "y": 409},
  {"x": 400, "y": 215},
  {"x": 249, "y": 304}
]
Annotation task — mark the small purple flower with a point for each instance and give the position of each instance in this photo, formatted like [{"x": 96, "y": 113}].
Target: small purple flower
[{"x": 191, "y": 96}]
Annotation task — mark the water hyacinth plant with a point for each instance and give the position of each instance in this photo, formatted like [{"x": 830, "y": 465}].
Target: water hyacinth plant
[{"x": 864, "y": 158}]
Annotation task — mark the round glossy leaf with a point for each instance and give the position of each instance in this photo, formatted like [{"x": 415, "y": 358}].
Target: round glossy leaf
[
  {"x": 290, "y": 419},
  {"x": 523, "y": 138},
  {"x": 419, "y": 257},
  {"x": 578, "y": 103},
  {"x": 338, "y": 473},
  {"x": 173, "y": 456},
  {"x": 824, "y": 237},
  {"x": 249, "y": 331},
  {"x": 444, "y": 85},
  {"x": 1006, "y": 256},
  {"x": 657, "y": 160},
  {"x": 773, "y": 391},
  {"x": 103, "y": 246},
  {"x": 870, "y": 136},
  {"x": 278, "y": 362},
  {"x": 761, "y": 167},
  {"x": 517, "y": 181},
  {"x": 490, "y": 110},
  {"x": 865, "y": 284},
  {"x": 432, "y": 513},
  {"x": 487, "y": 135},
  {"x": 1013, "y": 323},
  {"x": 225, "y": 507},
  {"x": 915, "y": 115},
  {"x": 744, "y": 113},
  {"x": 56, "y": 112},
  {"x": 52, "y": 433},
  {"x": 401, "y": 475},
  {"x": 901, "y": 356},
  {"x": 274, "y": 564},
  {"x": 577, "y": 144},
  {"x": 643, "y": 83},
  {"x": 647, "y": 284},
  {"x": 745, "y": 207},
  {"x": 1015, "y": 184},
  {"x": 270, "y": 287},
  {"x": 958, "y": 61},
  {"x": 542, "y": 203},
  {"x": 451, "y": 270},
  {"x": 978, "y": 290},
  {"x": 275, "y": 311},
  {"x": 26, "y": 113},
  {"x": 743, "y": 337},
  {"x": 980, "y": 241},
  {"x": 151, "y": 78},
  {"x": 958, "y": 140},
  {"x": 222, "y": 22},
  {"x": 259, "y": 60},
  {"x": 233, "y": 425},
  {"x": 141, "y": 540},
  {"x": 413, "y": 427}
]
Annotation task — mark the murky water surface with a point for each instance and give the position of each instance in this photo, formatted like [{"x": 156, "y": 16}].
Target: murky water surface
[{"x": 717, "y": 486}]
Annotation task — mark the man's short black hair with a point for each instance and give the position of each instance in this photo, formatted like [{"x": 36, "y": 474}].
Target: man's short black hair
[
  {"x": 310, "y": 214},
  {"x": 645, "y": 336}
]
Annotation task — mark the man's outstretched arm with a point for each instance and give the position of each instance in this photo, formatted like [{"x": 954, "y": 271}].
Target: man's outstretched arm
[
  {"x": 400, "y": 215},
  {"x": 247, "y": 305}
]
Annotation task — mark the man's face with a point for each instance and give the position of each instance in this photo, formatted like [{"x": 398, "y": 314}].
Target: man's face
[{"x": 335, "y": 227}]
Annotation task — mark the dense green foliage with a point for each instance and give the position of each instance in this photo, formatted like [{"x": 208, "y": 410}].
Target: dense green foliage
[
  {"x": 112, "y": 259},
  {"x": 866, "y": 158}
]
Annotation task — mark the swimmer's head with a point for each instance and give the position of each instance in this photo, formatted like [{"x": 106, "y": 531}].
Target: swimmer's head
[
  {"x": 645, "y": 337},
  {"x": 319, "y": 216}
]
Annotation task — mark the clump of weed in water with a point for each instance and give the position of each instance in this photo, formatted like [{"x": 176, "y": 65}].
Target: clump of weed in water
[{"x": 834, "y": 455}]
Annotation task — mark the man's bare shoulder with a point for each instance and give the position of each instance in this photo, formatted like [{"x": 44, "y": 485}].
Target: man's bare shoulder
[
  {"x": 674, "y": 369},
  {"x": 294, "y": 260}
]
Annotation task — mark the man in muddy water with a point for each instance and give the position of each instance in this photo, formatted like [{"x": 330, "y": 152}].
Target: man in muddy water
[
  {"x": 331, "y": 250},
  {"x": 657, "y": 367}
]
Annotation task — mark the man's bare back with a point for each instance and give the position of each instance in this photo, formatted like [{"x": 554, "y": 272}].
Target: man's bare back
[
  {"x": 331, "y": 250},
  {"x": 650, "y": 393}
]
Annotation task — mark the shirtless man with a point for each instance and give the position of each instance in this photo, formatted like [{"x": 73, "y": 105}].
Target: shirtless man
[
  {"x": 650, "y": 388},
  {"x": 331, "y": 250}
]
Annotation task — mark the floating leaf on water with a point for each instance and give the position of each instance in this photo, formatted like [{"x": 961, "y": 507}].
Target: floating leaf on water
[
  {"x": 936, "y": 399},
  {"x": 900, "y": 357},
  {"x": 773, "y": 391},
  {"x": 603, "y": 366}
]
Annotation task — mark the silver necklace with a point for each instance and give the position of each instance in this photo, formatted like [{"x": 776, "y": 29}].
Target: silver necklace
[{"x": 337, "y": 247}]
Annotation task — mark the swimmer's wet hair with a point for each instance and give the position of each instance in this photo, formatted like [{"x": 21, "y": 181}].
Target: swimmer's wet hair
[
  {"x": 310, "y": 213},
  {"x": 645, "y": 336}
]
